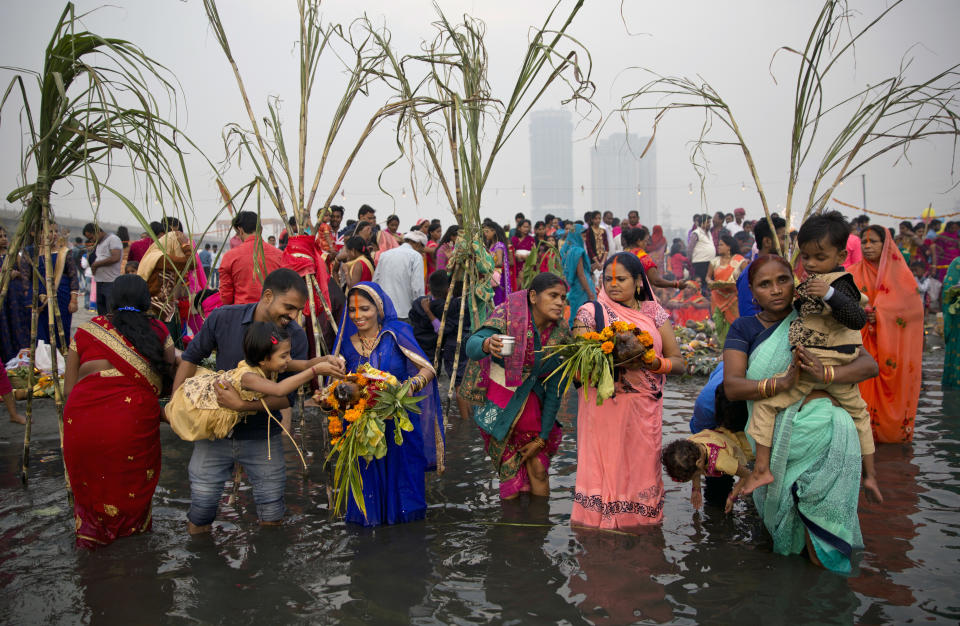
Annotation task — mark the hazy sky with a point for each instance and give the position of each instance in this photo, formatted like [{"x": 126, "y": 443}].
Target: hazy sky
[{"x": 729, "y": 44}]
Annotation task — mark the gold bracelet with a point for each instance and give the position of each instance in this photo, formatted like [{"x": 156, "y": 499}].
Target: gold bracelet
[
  {"x": 763, "y": 388},
  {"x": 773, "y": 387},
  {"x": 759, "y": 390}
]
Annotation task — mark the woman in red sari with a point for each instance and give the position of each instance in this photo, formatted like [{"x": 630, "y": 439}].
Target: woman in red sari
[{"x": 117, "y": 367}]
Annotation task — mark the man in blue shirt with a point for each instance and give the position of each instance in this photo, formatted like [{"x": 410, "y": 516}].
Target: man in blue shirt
[
  {"x": 765, "y": 245},
  {"x": 206, "y": 260},
  {"x": 284, "y": 296}
]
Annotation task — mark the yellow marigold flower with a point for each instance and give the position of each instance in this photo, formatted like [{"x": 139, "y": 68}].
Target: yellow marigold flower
[
  {"x": 650, "y": 356},
  {"x": 606, "y": 334},
  {"x": 620, "y": 327},
  {"x": 607, "y": 347}
]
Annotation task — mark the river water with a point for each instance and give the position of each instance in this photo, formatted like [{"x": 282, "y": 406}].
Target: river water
[{"x": 477, "y": 560}]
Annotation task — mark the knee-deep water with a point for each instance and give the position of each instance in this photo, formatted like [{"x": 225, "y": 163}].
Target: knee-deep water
[{"x": 476, "y": 559}]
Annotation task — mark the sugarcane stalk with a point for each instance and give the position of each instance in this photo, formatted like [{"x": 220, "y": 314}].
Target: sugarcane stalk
[
  {"x": 34, "y": 313},
  {"x": 53, "y": 311},
  {"x": 443, "y": 325},
  {"x": 456, "y": 356}
]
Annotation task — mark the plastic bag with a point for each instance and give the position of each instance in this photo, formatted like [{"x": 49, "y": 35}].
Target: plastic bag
[{"x": 42, "y": 357}]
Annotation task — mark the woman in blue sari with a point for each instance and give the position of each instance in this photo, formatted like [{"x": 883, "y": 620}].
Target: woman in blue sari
[
  {"x": 394, "y": 489},
  {"x": 576, "y": 271},
  {"x": 65, "y": 282},
  {"x": 815, "y": 453},
  {"x": 14, "y": 312}
]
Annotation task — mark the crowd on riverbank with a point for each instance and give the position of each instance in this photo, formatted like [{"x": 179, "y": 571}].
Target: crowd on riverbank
[{"x": 821, "y": 355}]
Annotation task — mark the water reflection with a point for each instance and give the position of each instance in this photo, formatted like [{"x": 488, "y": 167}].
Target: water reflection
[{"x": 617, "y": 581}]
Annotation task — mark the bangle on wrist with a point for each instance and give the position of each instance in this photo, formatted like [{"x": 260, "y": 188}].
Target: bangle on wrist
[{"x": 665, "y": 367}]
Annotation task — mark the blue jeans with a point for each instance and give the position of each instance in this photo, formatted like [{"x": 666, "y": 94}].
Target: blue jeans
[{"x": 212, "y": 465}]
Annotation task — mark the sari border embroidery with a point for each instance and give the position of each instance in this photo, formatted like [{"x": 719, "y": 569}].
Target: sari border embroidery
[
  {"x": 617, "y": 507},
  {"x": 113, "y": 340}
]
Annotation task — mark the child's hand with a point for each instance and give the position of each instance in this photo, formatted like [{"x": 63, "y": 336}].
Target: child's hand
[
  {"x": 872, "y": 490},
  {"x": 696, "y": 499},
  {"x": 329, "y": 366},
  {"x": 817, "y": 287}
]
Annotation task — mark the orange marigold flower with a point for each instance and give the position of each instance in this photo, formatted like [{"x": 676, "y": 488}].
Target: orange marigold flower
[
  {"x": 606, "y": 333},
  {"x": 620, "y": 327},
  {"x": 607, "y": 347},
  {"x": 592, "y": 336},
  {"x": 335, "y": 427},
  {"x": 645, "y": 338},
  {"x": 650, "y": 356}
]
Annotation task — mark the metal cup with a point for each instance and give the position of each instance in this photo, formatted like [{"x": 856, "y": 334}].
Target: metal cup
[{"x": 507, "y": 344}]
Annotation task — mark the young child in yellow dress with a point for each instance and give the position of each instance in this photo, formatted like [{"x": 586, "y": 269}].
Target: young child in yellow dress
[{"x": 193, "y": 411}]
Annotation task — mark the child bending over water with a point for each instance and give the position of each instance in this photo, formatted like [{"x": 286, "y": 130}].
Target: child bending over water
[
  {"x": 719, "y": 451},
  {"x": 193, "y": 411}
]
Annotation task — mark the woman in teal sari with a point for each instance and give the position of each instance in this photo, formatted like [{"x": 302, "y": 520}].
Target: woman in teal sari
[
  {"x": 518, "y": 417},
  {"x": 576, "y": 271},
  {"x": 815, "y": 455},
  {"x": 951, "y": 330}
]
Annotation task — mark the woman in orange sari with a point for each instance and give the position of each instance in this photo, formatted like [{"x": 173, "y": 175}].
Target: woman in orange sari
[
  {"x": 619, "y": 479},
  {"x": 117, "y": 367},
  {"x": 722, "y": 277},
  {"x": 893, "y": 336}
]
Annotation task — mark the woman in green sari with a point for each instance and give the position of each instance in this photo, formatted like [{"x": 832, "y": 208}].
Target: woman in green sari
[
  {"x": 518, "y": 417},
  {"x": 951, "y": 329},
  {"x": 815, "y": 455}
]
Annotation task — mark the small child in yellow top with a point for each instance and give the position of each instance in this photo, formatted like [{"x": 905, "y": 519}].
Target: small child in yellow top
[
  {"x": 193, "y": 410},
  {"x": 711, "y": 452}
]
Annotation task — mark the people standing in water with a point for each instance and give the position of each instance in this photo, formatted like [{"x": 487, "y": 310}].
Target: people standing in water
[
  {"x": 518, "y": 417},
  {"x": 394, "y": 487},
  {"x": 117, "y": 367},
  {"x": 815, "y": 452},
  {"x": 619, "y": 478},
  {"x": 827, "y": 326},
  {"x": 722, "y": 277},
  {"x": 893, "y": 336},
  {"x": 951, "y": 330},
  {"x": 496, "y": 244}
]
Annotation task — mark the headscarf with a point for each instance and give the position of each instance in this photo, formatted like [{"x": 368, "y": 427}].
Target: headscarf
[
  {"x": 431, "y": 415},
  {"x": 657, "y": 240},
  {"x": 573, "y": 250}
]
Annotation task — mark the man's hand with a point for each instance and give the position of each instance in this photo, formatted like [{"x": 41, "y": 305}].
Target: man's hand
[{"x": 817, "y": 288}]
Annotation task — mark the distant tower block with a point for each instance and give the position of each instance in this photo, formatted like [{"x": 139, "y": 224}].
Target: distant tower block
[
  {"x": 551, "y": 164},
  {"x": 621, "y": 180}
]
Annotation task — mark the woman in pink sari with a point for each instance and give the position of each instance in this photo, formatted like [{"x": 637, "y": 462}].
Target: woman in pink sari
[
  {"x": 946, "y": 247},
  {"x": 619, "y": 480}
]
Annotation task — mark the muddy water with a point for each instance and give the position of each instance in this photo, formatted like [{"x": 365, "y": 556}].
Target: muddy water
[{"x": 477, "y": 560}]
